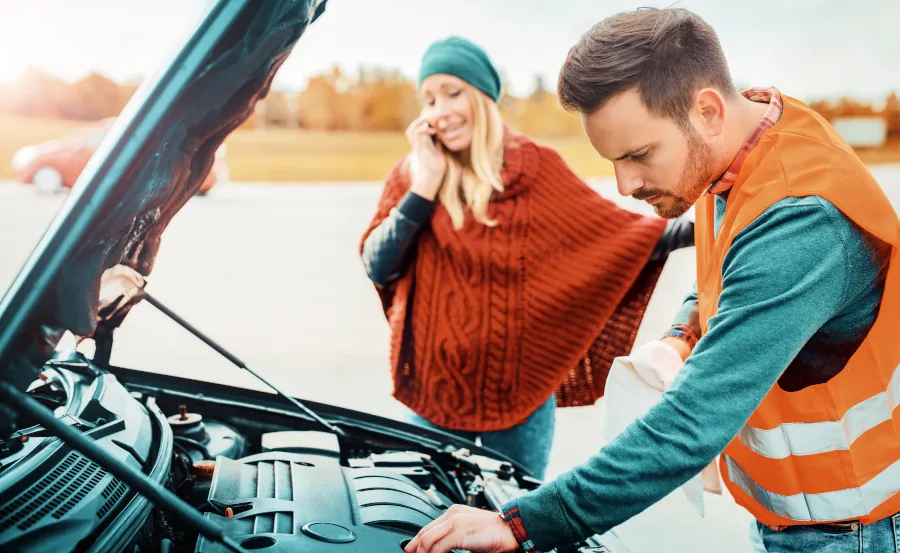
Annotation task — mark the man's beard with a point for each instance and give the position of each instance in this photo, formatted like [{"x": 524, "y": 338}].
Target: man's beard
[{"x": 696, "y": 177}]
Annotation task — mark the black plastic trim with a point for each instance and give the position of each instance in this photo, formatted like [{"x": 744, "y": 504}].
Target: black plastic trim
[{"x": 123, "y": 530}]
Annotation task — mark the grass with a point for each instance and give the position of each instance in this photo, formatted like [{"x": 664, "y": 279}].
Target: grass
[
  {"x": 284, "y": 155},
  {"x": 890, "y": 153},
  {"x": 291, "y": 155}
]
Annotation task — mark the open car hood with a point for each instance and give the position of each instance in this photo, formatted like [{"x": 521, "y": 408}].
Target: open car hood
[{"x": 153, "y": 161}]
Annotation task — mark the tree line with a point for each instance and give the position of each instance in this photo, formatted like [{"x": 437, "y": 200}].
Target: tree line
[{"x": 372, "y": 100}]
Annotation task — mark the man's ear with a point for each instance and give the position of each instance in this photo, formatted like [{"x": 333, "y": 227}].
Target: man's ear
[{"x": 709, "y": 110}]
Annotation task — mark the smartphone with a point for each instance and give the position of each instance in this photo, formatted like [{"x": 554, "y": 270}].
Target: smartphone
[{"x": 434, "y": 139}]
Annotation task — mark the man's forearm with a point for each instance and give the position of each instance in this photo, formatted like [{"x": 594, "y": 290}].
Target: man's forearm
[
  {"x": 685, "y": 330},
  {"x": 693, "y": 422},
  {"x": 722, "y": 382}
]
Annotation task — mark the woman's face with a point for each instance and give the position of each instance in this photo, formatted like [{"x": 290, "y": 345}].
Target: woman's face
[{"x": 446, "y": 106}]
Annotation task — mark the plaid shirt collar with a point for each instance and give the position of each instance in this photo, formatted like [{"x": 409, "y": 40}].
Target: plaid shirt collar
[{"x": 773, "y": 114}]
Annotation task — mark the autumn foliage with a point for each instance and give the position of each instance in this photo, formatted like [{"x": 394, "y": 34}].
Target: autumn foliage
[
  {"x": 38, "y": 94},
  {"x": 373, "y": 100}
]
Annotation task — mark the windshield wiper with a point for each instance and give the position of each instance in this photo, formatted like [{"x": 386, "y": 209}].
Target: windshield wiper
[{"x": 237, "y": 362}]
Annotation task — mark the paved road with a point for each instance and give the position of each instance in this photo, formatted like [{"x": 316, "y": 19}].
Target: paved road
[{"x": 271, "y": 272}]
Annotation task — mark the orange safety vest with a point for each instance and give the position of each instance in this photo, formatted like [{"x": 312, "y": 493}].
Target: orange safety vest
[{"x": 829, "y": 452}]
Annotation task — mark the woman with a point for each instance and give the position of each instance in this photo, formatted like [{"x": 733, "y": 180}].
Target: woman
[{"x": 508, "y": 283}]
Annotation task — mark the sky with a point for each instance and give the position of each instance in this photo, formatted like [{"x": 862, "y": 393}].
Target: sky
[{"x": 808, "y": 48}]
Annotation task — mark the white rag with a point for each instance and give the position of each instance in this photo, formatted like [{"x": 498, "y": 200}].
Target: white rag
[{"x": 635, "y": 384}]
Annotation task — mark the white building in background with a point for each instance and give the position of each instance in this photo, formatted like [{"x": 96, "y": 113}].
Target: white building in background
[{"x": 866, "y": 131}]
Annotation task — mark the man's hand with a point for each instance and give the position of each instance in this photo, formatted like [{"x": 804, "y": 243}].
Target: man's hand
[
  {"x": 118, "y": 285},
  {"x": 468, "y": 528},
  {"x": 679, "y": 345}
]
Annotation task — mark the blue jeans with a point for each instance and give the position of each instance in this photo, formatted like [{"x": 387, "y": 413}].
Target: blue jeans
[
  {"x": 882, "y": 536},
  {"x": 527, "y": 443}
]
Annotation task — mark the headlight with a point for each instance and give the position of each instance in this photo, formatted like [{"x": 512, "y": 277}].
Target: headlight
[{"x": 23, "y": 157}]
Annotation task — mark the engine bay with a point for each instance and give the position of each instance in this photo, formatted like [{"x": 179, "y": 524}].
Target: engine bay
[{"x": 272, "y": 479}]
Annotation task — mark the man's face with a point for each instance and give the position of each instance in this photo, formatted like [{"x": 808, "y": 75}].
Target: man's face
[{"x": 655, "y": 160}]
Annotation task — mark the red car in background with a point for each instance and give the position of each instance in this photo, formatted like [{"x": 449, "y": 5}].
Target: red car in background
[{"x": 55, "y": 165}]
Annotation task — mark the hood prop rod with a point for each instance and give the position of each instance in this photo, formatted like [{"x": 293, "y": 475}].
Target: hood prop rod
[
  {"x": 237, "y": 362},
  {"x": 159, "y": 495}
]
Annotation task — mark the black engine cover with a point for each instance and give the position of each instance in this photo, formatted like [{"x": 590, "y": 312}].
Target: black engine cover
[{"x": 309, "y": 502}]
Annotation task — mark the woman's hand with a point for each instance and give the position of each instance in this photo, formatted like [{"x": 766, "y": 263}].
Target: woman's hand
[{"x": 428, "y": 164}]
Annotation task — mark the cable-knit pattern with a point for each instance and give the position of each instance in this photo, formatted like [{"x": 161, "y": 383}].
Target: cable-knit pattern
[{"x": 486, "y": 323}]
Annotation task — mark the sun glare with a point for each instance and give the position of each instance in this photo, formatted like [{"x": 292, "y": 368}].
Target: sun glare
[
  {"x": 16, "y": 46},
  {"x": 9, "y": 70}
]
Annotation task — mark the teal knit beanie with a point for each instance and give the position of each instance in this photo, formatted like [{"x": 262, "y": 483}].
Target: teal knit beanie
[{"x": 461, "y": 58}]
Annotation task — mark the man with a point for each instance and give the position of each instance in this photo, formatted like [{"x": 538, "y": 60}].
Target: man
[{"x": 793, "y": 380}]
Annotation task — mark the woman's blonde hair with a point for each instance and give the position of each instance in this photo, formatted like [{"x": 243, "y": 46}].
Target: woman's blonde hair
[{"x": 474, "y": 174}]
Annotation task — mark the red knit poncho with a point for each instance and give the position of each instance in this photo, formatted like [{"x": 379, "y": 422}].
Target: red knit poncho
[{"x": 486, "y": 323}]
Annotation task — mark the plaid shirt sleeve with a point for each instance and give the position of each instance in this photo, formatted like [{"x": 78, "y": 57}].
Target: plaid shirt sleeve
[
  {"x": 510, "y": 513},
  {"x": 683, "y": 332}
]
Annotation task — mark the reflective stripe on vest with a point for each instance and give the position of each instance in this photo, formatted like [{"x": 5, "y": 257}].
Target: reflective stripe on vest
[
  {"x": 810, "y": 438},
  {"x": 848, "y": 504}
]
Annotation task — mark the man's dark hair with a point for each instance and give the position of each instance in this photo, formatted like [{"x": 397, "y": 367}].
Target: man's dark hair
[{"x": 667, "y": 54}]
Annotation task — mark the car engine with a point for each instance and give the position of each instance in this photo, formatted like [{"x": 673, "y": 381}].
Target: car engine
[{"x": 271, "y": 487}]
